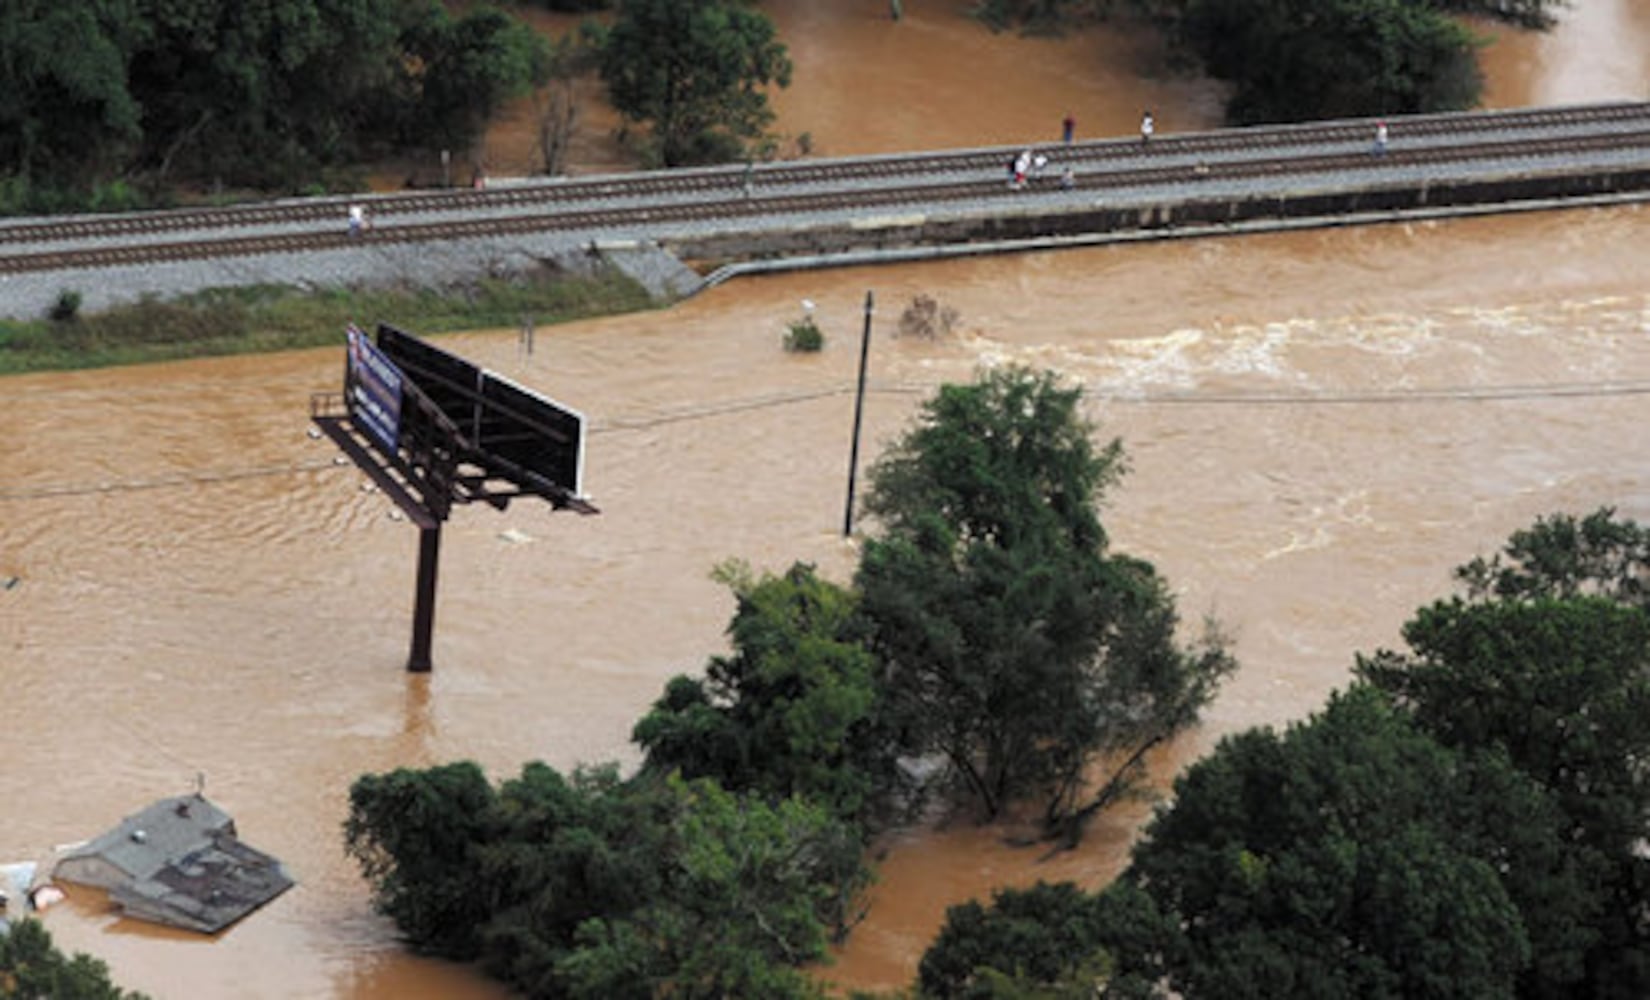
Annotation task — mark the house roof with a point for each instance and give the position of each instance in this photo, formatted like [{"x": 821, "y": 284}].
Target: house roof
[
  {"x": 141, "y": 843},
  {"x": 178, "y": 862}
]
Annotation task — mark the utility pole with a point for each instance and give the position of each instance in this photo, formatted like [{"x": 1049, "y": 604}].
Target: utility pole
[{"x": 859, "y": 411}]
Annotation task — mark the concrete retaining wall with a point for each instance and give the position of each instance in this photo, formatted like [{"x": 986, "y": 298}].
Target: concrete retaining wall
[{"x": 1134, "y": 219}]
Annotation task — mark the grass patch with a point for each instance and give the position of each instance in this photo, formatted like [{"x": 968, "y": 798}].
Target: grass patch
[{"x": 279, "y": 318}]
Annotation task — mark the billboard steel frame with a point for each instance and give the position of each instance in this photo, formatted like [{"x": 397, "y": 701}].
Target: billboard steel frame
[{"x": 453, "y": 433}]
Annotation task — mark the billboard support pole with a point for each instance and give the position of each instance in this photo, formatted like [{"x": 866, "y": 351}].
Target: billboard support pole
[{"x": 429, "y": 553}]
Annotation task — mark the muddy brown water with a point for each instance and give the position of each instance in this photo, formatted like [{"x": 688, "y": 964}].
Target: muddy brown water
[{"x": 1320, "y": 425}]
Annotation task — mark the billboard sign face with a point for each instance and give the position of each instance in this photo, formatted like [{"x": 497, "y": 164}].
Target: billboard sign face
[
  {"x": 373, "y": 391},
  {"x": 504, "y": 421},
  {"x": 535, "y": 432}
]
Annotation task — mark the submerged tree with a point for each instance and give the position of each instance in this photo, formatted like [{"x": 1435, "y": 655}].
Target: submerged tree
[
  {"x": 1563, "y": 556},
  {"x": 696, "y": 70},
  {"x": 1351, "y": 856},
  {"x": 1356, "y": 856},
  {"x": 1549, "y": 661},
  {"x": 1011, "y": 641},
  {"x": 1297, "y": 60},
  {"x": 31, "y": 968},
  {"x": 590, "y": 886},
  {"x": 792, "y": 712}
]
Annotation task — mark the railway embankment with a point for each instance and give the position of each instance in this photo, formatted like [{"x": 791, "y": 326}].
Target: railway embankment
[
  {"x": 740, "y": 218},
  {"x": 1038, "y": 223}
]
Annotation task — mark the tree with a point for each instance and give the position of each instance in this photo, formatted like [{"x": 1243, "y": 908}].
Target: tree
[
  {"x": 1352, "y": 856},
  {"x": 268, "y": 94},
  {"x": 31, "y": 967},
  {"x": 463, "y": 70},
  {"x": 65, "y": 111},
  {"x": 415, "y": 835},
  {"x": 695, "y": 69},
  {"x": 1561, "y": 556},
  {"x": 791, "y": 712},
  {"x": 593, "y": 886},
  {"x": 1011, "y": 642},
  {"x": 263, "y": 93},
  {"x": 1297, "y": 60},
  {"x": 1031, "y": 940},
  {"x": 1563, "y": 687},
  {"x": 1355, "y": 856},
  {"x": 750, "y": 893}
]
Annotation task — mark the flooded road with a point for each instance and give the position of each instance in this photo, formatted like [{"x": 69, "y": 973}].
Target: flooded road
[{"x": 1320, "y": 426}]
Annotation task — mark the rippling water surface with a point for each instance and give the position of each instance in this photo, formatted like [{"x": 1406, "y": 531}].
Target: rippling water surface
[{"x": 1319, "y": 426}]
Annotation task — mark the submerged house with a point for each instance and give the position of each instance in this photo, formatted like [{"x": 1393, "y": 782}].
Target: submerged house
[{"x": 178, "y": 862}]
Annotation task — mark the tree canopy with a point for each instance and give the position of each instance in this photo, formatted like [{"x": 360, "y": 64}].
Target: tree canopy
[
  {"x": 1467, "y": 820},
  {"x": 1352, "y": 856},
  {"x": 1549, "y": 662},
  {"x": 268, "y": 94},
  {"x": 792, "y": 712},
  {"x": 696, "y": 70},
  {"x": 596, "y": 887},
  {"x": 1565, "y": 556},
  {"x": 31, "y": 967},
  {"x": 1298, "y": 60},
  {"x": 1012, "y": 643}
]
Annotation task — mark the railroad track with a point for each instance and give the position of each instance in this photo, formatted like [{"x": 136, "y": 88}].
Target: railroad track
[{"x": 646, "y": 200}]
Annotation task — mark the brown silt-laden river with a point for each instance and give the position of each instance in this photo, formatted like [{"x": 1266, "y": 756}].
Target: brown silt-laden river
[{"x": 1319, "y": 426}]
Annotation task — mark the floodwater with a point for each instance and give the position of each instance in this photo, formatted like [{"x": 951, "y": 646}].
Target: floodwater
[{"x": 1320, "y": 425}]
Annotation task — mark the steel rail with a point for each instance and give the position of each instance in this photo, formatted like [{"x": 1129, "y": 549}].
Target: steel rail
[
  {"x": 1139, "y": 178},
  {"x": 718, "y": 183}
]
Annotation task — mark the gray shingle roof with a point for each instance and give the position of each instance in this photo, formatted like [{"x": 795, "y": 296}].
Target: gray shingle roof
[{"x": 178, "y": 862}]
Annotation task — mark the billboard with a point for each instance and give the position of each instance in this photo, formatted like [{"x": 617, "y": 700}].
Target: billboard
[
  {"x": 535, "y": 432},
  {"x": 372, "y": 391},
  {"x": 509, "y": 425}
]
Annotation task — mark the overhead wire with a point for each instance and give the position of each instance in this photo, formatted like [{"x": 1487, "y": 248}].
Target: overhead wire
[{"x": 620, "y": 425}]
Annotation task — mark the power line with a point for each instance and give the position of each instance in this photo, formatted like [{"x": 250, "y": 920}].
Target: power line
[{"x": 621, "y": 425}]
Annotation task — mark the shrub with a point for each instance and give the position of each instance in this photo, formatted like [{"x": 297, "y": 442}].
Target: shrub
[
  {"x": 925, "y": 317},
  {"x": 804, "y": 335},
  {"x": 67, "y": 307}
]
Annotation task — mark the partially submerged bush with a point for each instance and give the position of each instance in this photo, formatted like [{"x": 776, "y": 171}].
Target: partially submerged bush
[
  {"x": 925, "y": 317},
  {"x": 804, "y": 335}
]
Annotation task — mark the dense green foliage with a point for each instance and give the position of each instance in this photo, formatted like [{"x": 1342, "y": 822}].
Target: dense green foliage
[
  {"x": 596, "y": 887},
  {"x": 1551, "y": 664},
  {"x": 572, "y": 6},
  {"x": 695, "y": 70},
  {"x": 65, "y": 109},
  {"x": 791, "y": 712},
  {"x": 1012, "y": 643},
  {"x": 1039, "y": 941},
  {"x": 270, "y": 95},
  {"x": 1468, "y": 820},
  {"x": 1352, "y": 856},
  {"x": 1296, "y": 60},
  {"x": 31, "y": 968},
  {"x": 1561, "y": 556},
  {"x": 1355, "y": 856}
]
